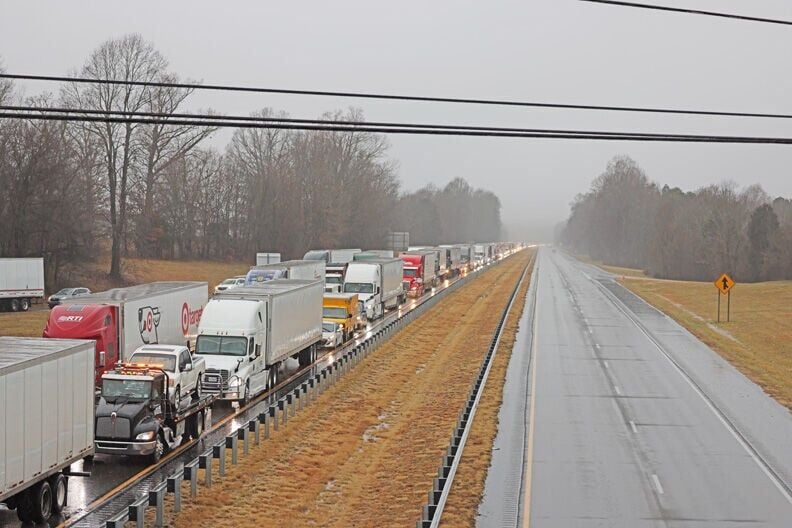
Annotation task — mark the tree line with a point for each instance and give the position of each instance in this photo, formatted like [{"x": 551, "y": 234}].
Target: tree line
[
  {"x": 627, "y": 220},
  {"x": 73, "y": 191}
]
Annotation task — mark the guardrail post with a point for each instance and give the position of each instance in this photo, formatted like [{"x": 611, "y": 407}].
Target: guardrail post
[
  {"x": 174, "y": 486},
  {"x": 218, "y": 452},
  {"x": 292, "y": 401},
  {"x": 119, "y": 520},
  {"x": 232, "y": 441},
  {"x": 284, "y": 410},
  {"x": 303, "y": 395},
  {"x": 191, "y": 474},
  {"x": 244, "y": 432},
  {"x": 137, "y": 511},
  {"x": 273, "y": 417},
  {"x": 156, "y": 498},
  {"x": 255, "y": 426},
  {"x": 323, "y": 381},
  {"x": 311, "y": 390},
  {"x": 205, "y": 463}
]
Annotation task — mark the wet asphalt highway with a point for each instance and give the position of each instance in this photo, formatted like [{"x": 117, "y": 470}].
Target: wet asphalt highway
[{"x": 634, "y": 422}]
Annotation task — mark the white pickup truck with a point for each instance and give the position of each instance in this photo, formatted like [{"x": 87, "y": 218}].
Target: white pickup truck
[{"x": 184, "y": 370}]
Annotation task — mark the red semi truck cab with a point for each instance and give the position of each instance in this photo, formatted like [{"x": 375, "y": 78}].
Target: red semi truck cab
[
  {"x": 414, "y": 274},
  {"x": 88, "y": 321}
]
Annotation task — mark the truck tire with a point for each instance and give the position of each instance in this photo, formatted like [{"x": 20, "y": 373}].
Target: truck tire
[
  {"x": 14, "y": 305},
  {"x": 24, "y": 305},
  {"x": 197, "y": 425},
  {"x": 272, "y": 376},
  {"x": 60, "y": 490},
  {"x": 198, "y": 389},
  {"x": 245, "y": 399},
  {"x": 40, "y": 500},
  {"x": 159, "y": 449},
  {"x": 177, "y": 399},
  {"x": 23, "y": 509}
]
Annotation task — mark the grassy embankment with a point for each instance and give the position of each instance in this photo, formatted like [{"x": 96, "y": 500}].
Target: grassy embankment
[
  {"x": 136, "y": 271},
  {"x": 462, "y": 506},
  {"x": 366, "y": 452},
  {"x": 757, "y": 340}
]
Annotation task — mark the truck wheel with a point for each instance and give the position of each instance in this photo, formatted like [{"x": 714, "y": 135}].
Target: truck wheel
[
  {"x": 23, "y": 508},
  {"x": 14, "y": 305},
  {"x": 40, "y": 500},
  {"x": 197, "y": 425},
  {"x": 198, "y": 389},
  {"x": 246, "y": 396},
  {"x": 59, "y": 485},
  {"x": 177, "y": 399},
  {"x": 24, "y": 305},
  {"x": 159, "y": 450},
  {"x": 273, "y": 376}
]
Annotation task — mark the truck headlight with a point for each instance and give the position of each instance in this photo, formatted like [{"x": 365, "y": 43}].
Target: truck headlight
[
  {"x": 146, "y": 437},
  {"x": 234, "y": 383}
]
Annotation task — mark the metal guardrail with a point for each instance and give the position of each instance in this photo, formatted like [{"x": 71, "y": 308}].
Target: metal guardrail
[
  {"x": 432, "y": 511},
  {"x": 272, "y": 419}
]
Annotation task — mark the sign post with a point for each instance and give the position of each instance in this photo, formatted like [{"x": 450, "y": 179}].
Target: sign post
[{"x": 724, "y": 284}]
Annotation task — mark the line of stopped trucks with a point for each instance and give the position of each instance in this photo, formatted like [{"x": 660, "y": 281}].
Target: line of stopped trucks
[{"x": 135, "y": 371}]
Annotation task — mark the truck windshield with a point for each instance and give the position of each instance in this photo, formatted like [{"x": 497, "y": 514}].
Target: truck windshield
[
  {"x": 410, "y": 272},
  {"x": 333, "y": 279},
  {"x": 331, "y": 312},
  {"x": 221, "y": 346},
  {"x": 329, "y": 327},
  {"x": 158, "y": 360},
  {"x": 127, "y": 389},
  {"x": 358, "y": 287}
]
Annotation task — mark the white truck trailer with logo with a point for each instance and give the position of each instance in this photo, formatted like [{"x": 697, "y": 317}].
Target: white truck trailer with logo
[
  {"x": 122, "y": 319},
  {"x": 21, "y": 282},
  {"x": 247, "y": 333},
  {"x": 378, "y": 283},
  {"x": 47, "y": 417},
  {"x": 288, "y": 269}
]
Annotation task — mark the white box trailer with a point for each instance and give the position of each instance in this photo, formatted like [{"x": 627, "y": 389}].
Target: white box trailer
[
  {"x": 288, "y": 269},
  {"x": 332, "y": 256},
  {"x": 267, "y": 258},
  {"x": 127, "y": 318},
  {"x": 21, "y": 281},
  {"x": 378, "y": 283},
  {"x": 46, "y": 419},
  {"x": 247, "y": 332},
  {"x": 454, "y": 258}
]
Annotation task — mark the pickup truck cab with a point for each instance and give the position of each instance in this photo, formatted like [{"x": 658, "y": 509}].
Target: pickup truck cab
[
  {"x": 184, "y": 371},
  {"x": 332, "y": 334}
]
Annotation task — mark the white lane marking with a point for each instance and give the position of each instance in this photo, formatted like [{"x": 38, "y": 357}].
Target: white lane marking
[
  {"x": 657, "y": 484},
  {"x": 616, "y": 388},
  {"x": 605, "y": 363},
  {"x": 633, "y": 427},
  {"x": 776, "y": 480}
]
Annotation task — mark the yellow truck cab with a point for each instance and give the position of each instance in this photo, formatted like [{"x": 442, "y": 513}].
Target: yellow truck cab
[{"x": 343, "y": 308}]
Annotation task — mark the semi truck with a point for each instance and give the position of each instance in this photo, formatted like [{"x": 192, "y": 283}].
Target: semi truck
[
  {"x": 288, "y": 269},
  {"x": 343, "y": 309},
  {"x": 453, "y": 258},
  {"x": 267, "y": 258},
  {"x": 419, "y": 271},
  {"x": 375, "y": 254},
  {"x": 122, "y": 319},
  {"x": 21, "y": 283},
  {"x": 47, "y": 417},
  {"x": 136, "y": 417},
  {"x": 466, "y": 256},
  {"x": 378, "y": 284},
  {"x": 332, "y": 256},
  {"x": 247, "y": 333}
]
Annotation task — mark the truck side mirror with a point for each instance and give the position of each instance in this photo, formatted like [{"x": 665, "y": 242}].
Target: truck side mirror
[
  {"x": 188, "y": 367},
  {"x": 101, "y": 358}
]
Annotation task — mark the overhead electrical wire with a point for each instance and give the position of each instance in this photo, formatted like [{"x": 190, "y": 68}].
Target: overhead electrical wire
[
  {"x": 394, "y": 97},
  {"x": 401, "y": 128},
  {"x": 691, "y": 11}
]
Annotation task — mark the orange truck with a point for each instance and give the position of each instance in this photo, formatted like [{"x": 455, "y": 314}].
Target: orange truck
[{"x": 343, "y": 309}]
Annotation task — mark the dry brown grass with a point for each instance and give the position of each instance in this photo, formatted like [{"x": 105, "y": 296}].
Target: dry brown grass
[
  {"x": 25, "y": 324},
  {"x": 758, "y": 340},
  {"x": 365, "y": 454},
  {"x": 462, "y": 505}
]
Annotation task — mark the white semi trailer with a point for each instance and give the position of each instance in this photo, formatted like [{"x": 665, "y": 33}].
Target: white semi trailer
[
  {"x": 46, "y": 421},
  {"x": 248, "y": 332},
  {"x": 378, "y": 283},
  {"x": 21, "y": 282},
  {"x": 288, "y": 269}
]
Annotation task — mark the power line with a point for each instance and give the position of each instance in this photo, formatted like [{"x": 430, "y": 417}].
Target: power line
[
  {"x": 166, "y": 118},
  {"x": 393, "y": 97},
  {"x": 626, "y": 136},
  {"x": 691, "y": 11}
]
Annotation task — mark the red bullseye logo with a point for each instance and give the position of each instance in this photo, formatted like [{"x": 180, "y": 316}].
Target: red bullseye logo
[
  {"x": 189, "y": 318},
  {"x": 149, "y": 321}
]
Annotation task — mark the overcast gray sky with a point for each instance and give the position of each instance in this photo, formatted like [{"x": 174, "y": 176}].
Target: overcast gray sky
[{"x": 543, "y": 50}]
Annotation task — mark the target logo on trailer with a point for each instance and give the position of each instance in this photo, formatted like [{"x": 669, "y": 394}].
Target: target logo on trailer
[
  {"x": 189, "y": 318},
  {"x": 148, "y": 322}
]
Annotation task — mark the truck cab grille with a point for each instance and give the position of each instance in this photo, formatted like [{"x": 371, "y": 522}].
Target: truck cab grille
[
  {"x": 215, "y": 380},
  {"x": 109, "y": 428}
]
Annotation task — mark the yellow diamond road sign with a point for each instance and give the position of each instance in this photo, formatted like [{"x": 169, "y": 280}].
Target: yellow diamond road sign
[{"x": 724, "y": 283}]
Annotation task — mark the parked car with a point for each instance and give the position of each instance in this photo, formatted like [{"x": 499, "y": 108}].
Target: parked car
[
  {"x": 184, "y": 371},
  {"x": 332, "y": 334},
  {"x": 65, "y": 295},
  {"x": 227, "y": 284}
]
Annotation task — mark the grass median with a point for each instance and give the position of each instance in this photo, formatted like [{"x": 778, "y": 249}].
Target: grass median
[{"x": 366, "y": 452}]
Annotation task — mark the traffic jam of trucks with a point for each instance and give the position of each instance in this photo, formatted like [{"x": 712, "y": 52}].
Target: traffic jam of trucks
[{"x": 136, "y": 371}]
